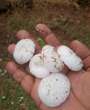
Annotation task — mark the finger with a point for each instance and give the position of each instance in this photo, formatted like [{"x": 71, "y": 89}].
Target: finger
[
  {"x": 23, "y": 34},
  {"x": 80, "y": 49},
  {"x": 21, "y": 77},
  {"x": 43, "y": 29},
  {"x": 65, "y": 69},
  {"x": 81, "y": 87},
  {"x": 47, "y": 35},
  {"x": 88, "y": 70},
  {"x": 87, "y": 62},
  {"x": 34, "y": 93},
  {"x": 11, "y": 48}
]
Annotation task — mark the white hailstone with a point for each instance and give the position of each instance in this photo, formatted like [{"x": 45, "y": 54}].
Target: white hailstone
[
  {"x": 37, "y": 67},
  {"x": 54, "y": 89},
  {"x": 24, "y": 51},
  {"x": 70, "y": 58},
  {"x": 51, "y": 59}
]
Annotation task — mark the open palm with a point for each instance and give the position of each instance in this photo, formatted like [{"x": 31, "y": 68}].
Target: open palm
[{"x": 79, "y": 98}]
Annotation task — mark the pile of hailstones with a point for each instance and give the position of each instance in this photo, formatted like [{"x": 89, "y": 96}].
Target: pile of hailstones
[{"x": 47, "y": 65}]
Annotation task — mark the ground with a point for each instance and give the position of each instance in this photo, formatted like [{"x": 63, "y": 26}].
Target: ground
[{"x": 67, "y": 22}]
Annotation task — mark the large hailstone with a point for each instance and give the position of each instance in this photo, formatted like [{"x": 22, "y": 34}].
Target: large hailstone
[
  {"x": 54, "y": 89},
  {"x": 37, "y": 67},
  {"x": 70, "y": 58},
  {"x": 51, "y": 59},
  {"x": 24, "y": 51}
]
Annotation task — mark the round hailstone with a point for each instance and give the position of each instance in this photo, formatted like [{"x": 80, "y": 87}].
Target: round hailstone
[
  {"x": 24, "y": 51},
  {"x": 37, "y": 67},
  {"x": 70, "y": 58},
  {"x": 51, "y": 59},
  {"x": 54, "y": 90}
]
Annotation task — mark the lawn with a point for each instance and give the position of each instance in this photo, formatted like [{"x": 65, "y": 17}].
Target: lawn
[{"x": 68, "y": 23}]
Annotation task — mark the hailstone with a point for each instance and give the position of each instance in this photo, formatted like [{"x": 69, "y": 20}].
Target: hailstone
[
  {"x": 37, "y": 67},
  {"x": 24, "y": 51},
  {"x": 70, "y": 58},
  {"x": 54, "y": 89},
  {"x": 51, "y": 59}
]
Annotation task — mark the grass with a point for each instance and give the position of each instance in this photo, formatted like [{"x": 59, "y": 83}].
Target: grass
[
  {"x": 12, "y": 96},
  {"x": 74, "y": 31},
  {"x": 67, "y": 26},
  {"x": 17, "y": 22},
  {"x": 41, "y": 41}
]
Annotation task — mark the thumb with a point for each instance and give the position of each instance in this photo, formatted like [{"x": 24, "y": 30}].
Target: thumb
[{"x": 81, "y": 87}]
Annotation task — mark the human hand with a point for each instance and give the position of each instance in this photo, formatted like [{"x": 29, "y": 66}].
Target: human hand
[{"x": 79, "y": 98}]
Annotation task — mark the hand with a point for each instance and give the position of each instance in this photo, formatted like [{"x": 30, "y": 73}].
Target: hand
[{"x": 79, "y": 98}]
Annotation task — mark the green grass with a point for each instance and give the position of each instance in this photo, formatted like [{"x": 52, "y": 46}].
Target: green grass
[
  {"x": 74, "y": 31},
  {"x": 17, "y": 21},
  {"x": 41, "y": 41},
  {"x": 12, "y": 96}
]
